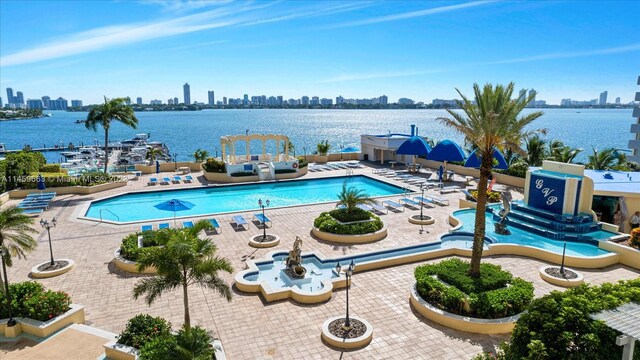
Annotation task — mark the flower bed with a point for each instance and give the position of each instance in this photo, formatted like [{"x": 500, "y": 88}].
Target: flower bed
[
  {"x": 634, "y": 240},
  {"x": 29, "y": 299},
  {"x": 495, "y": 294},
  {"x": 143, "y": 328},
  {"x": 355, "y": 223}
]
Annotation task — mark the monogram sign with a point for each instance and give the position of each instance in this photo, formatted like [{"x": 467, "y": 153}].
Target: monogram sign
[{"x": 546, "y": 193}]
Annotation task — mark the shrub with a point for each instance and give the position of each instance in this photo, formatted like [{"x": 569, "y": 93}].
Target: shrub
[
  {"x": 327, "y": 223},
  {"x": 323, "y": 147},
  {"x": 302, "y": 162},
  {"x": 129, "y": 247},
  {"x": 634, "y": 241},
  {"x": 285, "y": 171},
  {"x": 356, "y": 214},
  {"x": 492, "y": 196},
  {"x": 194, "y": 343},
  {"x": 518, "y": 169},
  {"x": 242, "y": 173},
  {"x": 213, "y": 165},
  {"x": 142, "y": 329},
  {"x": 30, "y": 299},
  {"x": 495, "y": 294},
  {"x": 50, "y": 168}
]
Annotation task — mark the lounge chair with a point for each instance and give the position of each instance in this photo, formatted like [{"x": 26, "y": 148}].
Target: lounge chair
[
  {"x": 152, "y": 181},
  {"x": 240, "y": 222},
  {"x": 165, "y": 181},
  {"x": 262, "y": 219},
  {"x": 32, "y": 211},
  {"x": 424, "y": 201},
  {"x": 33, "y": 206},
  {"x": 177, "y": 179},
  {"x": 365, "y": 207},
  {"x": 163, "y": 226},
  {"x": 410, "y": 203},
  {"x": 393, "y": 205},
  {"x": 42, "y": 194},
  {"x": 188, "y": 178},
  {"x": 216, "y": 226},
  {"x": 438, "y": 200},
  {"x": 379, "y": 207},
  {"x": 468, "y": 180},
  {"x": 144, "y": 228},
  {"x": 448, "y": 189},
  {"x": 187, "y": 224},
  {"x": 468, "y": 194}
]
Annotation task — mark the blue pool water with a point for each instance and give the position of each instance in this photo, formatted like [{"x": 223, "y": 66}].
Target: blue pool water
[
  {"x": 522, "y": 237},
  {"x": 222, "y": 199}
]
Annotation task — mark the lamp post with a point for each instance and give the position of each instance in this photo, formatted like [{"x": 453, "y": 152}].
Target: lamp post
[
  {"x": 347, "y": 273},
  {"x": 304, "y": 150},
  {"x": 11, "y": 322},
  {"x": 341, "y": 147},
  {"x": 175, "y": 161},
  {"x": 422, "y": 186},
  {"x": 48, "y": 225},
  {"x": 564, "y": 249},
  {"x": 264, "y": 223}
]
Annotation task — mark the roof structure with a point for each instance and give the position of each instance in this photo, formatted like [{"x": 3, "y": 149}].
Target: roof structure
[
  {"x": 625, "y": 318},
  {"x": 605, "y": 181}
]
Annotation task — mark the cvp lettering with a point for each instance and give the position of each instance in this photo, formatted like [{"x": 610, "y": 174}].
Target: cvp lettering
[{"x": 546, "y": 192}]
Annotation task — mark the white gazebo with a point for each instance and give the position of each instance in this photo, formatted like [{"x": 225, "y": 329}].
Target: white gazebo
[{"x": 264, "y": 164}]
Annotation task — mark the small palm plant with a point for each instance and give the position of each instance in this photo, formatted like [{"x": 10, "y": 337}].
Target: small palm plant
[
  {"x": 200, "y": 155},
  {"x": 15, "y": 234},
  {"x": 323, "y": 147},
  {"x": 536, "y": 150},
  {"x": 184, "y": 260},
  {"x": 606, "y": 159},
  {"x": 351, "y": 197},
  {"x": 152, "y": 154},
  {"x": 560, "y": 152}
]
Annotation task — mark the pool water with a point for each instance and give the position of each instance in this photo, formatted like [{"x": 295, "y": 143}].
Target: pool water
[
  {"x": 139, "y": 206},
  {"x": 522, "y": 237}
]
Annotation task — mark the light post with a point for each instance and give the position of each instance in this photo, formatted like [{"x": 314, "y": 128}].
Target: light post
[
  {"x": 564, "y": 249},
  {"x": 304, "y": 150},
  {"x": 11, "y": 322},
  {"x": 422, "y": 207},
  {"x": 341, "y": 147},
  {"x": 347, "y": 273},
  {"x": 48, "y": 225},
  {"x": 175, "y": 161},
  {"x": 264, "y": 223}
]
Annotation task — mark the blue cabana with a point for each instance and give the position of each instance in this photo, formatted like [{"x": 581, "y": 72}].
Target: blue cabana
[
  {"x": 415, "y": 146},
  {"x": 446, "y": 150},
  {"x": 474, "y": 160}
]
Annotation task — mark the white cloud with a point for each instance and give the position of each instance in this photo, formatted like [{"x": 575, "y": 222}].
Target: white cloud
[
  {"x": 412, "y": 14},
  {"x": 570, "y": 54}
]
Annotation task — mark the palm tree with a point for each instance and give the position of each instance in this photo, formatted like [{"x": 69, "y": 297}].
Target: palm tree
[
  {"x": 200, "y": 155},
  {"x": 536, "y": 151},
  {"x": 493, "y": 121},
  {"x": 103, "y": 114},
  {"x": 351, "y": 197},
  {"x": 152, "y": 154},
  {"x": 184, "y": 260},
  {"x": 606, "y": 159},
  {"x": 15, "y": 234}
]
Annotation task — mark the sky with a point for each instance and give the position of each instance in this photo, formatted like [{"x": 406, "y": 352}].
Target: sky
[{"x": 358, "y": 49}]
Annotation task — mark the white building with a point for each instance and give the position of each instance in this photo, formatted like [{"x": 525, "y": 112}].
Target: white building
[
  {"x": 405, "y": 101},
  {"x": 603, "y": 98},
  {"x": 76, "y": 103},
  {"x": 634, "y": 144},
  {"x": 383, "y": 147}
]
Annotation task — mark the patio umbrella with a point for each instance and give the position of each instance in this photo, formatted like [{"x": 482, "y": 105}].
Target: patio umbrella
[
  {"x": 474, "y": 160},
  {"x": 415, "y": 146},
  {"x": 447, "y": 150},
  {"x": 174, "y": 205},
  {"x": 157, "y": 167},
  {"x": 41, "y": 186},
  {"x": 349, "y": 149}
]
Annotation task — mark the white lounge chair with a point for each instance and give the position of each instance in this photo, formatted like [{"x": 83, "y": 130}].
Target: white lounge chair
[
  {"x": 393, "y": 205},
  {"x": 240, "y": 222}
]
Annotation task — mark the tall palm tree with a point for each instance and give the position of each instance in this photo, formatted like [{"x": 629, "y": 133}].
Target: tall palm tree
[
  {"x": 200, "y": 155},
  {"x": 103, "y": 114},
  {"x": 536, "y": 150},
  {"x": 606, "y": 159},
  {"x": 15, "y": 234},
  {"x": 184, "y": 260},
  {"x": 152, "y": 154},
  {"x": 492, "y": 122},
  {"x": 351, "y": 197}
]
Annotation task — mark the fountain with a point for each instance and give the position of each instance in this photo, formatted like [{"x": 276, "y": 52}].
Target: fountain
[
  {"x": 294, "y": 261},
  {"x": 501, "y": 226}
]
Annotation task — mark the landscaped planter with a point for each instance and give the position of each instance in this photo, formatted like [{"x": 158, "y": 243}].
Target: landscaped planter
[
  {"x": 320, "y": 159},
  {"x": 130, "y": 266},
  {"x": 564, "y": 282},
  {"x": 426, "y": 220},
  {"x": 347, "y": 343},
  {"x": 256, "y": 241},
  {"x": 64, "y": 190},
  {"x": 43, "y": 329},
  {"x": 116, "y": 351},
  {"x": 47, "y": 274},
  {"x": 458, "y": 322},
  {"x": 350, "y": 239}
]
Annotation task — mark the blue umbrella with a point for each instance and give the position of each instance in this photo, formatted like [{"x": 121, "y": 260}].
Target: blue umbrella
[
  {"x": 447, "y": 150},
  {"x": 41, "y": 185},
  {"x": 350, "y": 149},
  {"x": 174, "y": 205},
  {"x": 157, "y": 167},
  {"x": 415, "y": 146},
  {"x": 474, "y": 160}
]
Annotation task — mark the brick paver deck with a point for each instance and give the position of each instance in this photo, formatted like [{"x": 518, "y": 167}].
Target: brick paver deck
[{"x": 252, "y": 329}]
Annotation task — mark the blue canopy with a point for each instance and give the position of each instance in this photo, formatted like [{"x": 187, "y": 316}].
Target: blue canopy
[
  {"x": 474, "y": 160},
  {"x": 415, "y": 145},
  {"x": 447, "y": 150},
  {"x": 350, "y": 149},
  {"x": 174, "y": 205},
  {"x": 41, "y": 185}
]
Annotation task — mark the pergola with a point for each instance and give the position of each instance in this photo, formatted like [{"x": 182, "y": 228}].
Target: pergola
[
  {"x": 626, "y": 319},
  {"x": 230, "y": 142}
]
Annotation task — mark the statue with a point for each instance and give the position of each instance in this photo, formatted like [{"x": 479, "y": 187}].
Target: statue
[
  {"x": 294, "y": 261},
  {"x": 501, "y": 226}
]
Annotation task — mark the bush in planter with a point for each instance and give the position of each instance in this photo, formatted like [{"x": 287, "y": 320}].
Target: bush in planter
[
  {"x": 242, "y": 173},
  {"x": 492, "y": 196},
  {"x": 50, "y": 168},
  {"x": 188, "y": 344},
  {"x": 356, "y": 214},
  {"x": 634, "y": 241},
  {"x": 323, "y": 147},
  {"x": 327, "y": 223},
  {"x": 213, "y": 165},
  {"x": 129, "y": 247},
  {"x": 142, "y": 329},
  {"x": 30, "y": 299},
  {"x": 285, "y": 171},
  {"x": 302, "y": 163}
]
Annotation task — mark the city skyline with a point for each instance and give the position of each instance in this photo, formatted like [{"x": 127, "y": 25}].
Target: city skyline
[{"x": 417, "y": 50}]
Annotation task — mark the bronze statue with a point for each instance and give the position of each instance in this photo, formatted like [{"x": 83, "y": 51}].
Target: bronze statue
[
  {"x": 501, "y": 226},
  {"x": 294, "y": 260}
]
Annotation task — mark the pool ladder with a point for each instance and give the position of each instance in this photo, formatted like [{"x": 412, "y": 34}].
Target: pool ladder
[{"x": 101, "y": 210}]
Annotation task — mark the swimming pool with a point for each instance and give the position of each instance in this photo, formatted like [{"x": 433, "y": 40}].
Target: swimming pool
[
  {"x": 522, "y": 237},
  {"x": 139, "y": 206}
]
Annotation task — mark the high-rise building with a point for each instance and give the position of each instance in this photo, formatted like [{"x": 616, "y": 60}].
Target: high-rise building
[
  {"x": 58, "y": 104},
  {"x": 76, "y": 103},
  {"x": 339, "y": 99},
  {"x": 34, "y": 104},
  {"x": 532, "y": 95},
  {"x": 176, "y": 101},
  {"x": 522, "y": 95},
  {"x": 634, "y": 144},
  {"x": 212, "y": 99},
  {"x": 383, "y": 100},
  {"x": 304, "y": 101},
  {"x": 405, "y": 101},
  {"x": 9, "y": 96},
  {"x": 245, "y": 100},
  {"x": 139, "y": 100},
  {"x": 326, "y": 102},
  {"x": 170, "y": 101},
  {"x": 224, "y": 100},
  {"x": 0, "y": 102},
  {"x": 315, "y": 101},
  {"x": 45, "y": 101},
  {"x": 279, "y": 100},
  {"x": 603, "y": 98},
  {"x": 158, "y": 102},
  {"x": 187, "y": 93},
  {"x": 618, "y": 100},
  {"x": 19, "y": 98}
]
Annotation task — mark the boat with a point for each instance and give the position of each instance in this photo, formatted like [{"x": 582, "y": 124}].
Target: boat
[
  {"x": 48, "y": 115},
  {"x": 80, "y": 121}
]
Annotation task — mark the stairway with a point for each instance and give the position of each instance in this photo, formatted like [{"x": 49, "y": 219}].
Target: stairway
[{"x": 266, "y": 171}]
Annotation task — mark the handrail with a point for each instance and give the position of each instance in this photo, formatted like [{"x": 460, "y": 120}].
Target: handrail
[{"x": 101, "y": 210}]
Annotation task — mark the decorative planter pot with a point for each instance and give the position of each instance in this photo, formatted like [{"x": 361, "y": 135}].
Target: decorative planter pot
[
  {"x": 256, "y": 241},
  {"x": 347, "y": 343},
  {"x": 321, "y": 159},
  {"x": 43, "y": 329},
  {"x": 38, "y": 274},
  {"x": 427, "y": 220},
  {"x": 130, "y": 266},
  {"x": 351, "y": 239},
  {"x": 564, "y": 282}
]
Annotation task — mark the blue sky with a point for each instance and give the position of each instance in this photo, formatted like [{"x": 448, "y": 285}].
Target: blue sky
[{"x": 417, "y": 49}]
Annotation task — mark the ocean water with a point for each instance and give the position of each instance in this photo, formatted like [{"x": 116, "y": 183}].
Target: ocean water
[{"x": 184, "y": 132}]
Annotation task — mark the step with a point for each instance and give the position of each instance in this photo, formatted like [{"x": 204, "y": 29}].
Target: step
[{"x": 555, "y": 225}]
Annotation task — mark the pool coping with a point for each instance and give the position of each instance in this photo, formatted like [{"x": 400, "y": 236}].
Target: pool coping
[{"x": 84, "y": 208}]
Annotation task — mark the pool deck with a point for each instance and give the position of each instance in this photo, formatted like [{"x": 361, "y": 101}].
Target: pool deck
[{"x": 248, "y": 327}]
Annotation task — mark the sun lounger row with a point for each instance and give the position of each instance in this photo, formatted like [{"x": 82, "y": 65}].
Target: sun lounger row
[
  {"x": 237, "y": 222},
  {"x": 36, "y": 203},
  {"x": 335, "y": 166},
  {"x": 168, "y": 180}
]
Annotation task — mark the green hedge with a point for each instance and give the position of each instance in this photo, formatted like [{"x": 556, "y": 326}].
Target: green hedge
[
  {"x": 495, "y": 294},
  {"x": 285, "y": 171},
  {"x": 325, "y": 222},
  {"x": 129, "y": 247},
  {"x": 242, "y": 173},
  {"x": 52, "y": 180},
  {"x": 142, "y": 329},
  {"x": 356, "y": 214},
  {"x": 50, "y": 168},
  {"x": 558, "y": 325},
  {"x": 29, "y": 299}
]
